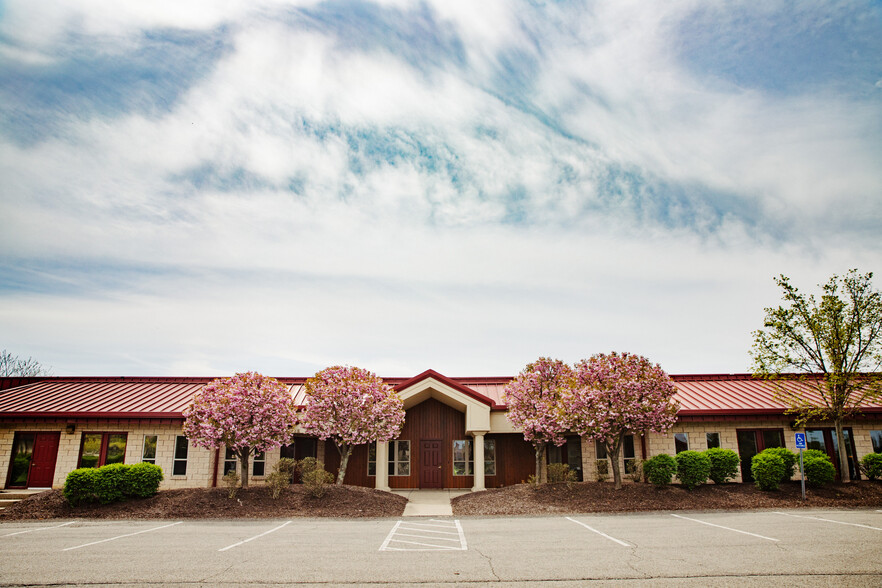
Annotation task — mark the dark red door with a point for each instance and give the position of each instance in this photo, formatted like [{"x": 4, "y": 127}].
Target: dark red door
[
  {"x": 430, "y": 465},
  {"x": 43, "y": 461}
]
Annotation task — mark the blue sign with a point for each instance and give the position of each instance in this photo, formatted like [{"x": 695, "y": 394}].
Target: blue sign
[{"x": 800, "y": 440}]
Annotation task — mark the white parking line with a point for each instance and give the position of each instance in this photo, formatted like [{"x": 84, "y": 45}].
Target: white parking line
[
  {"x": 40, "y": 529},
  {"x": 727, "y": 528},
  {"x": 121, "y": 536},
  {"x": 830, "y": 520},
  {"x": 255, "y": 537},
  {"x": 432, "y": 538},
  {"x": 602, "y": 534}
]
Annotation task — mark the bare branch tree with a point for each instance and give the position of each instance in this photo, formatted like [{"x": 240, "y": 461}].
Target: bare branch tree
[{"x": 15, "y": 366}]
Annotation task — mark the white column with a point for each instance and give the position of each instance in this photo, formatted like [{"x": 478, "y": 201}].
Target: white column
[
  {"x": 382, "y": 478},
  {"x": 478, "y": 445}
]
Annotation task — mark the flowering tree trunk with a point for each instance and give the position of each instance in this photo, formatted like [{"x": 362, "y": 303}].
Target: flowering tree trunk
[
  {"x": 345, "y": 451},
  {"x": 243, "y": 453},
  {"x": 539, "y": 447}
]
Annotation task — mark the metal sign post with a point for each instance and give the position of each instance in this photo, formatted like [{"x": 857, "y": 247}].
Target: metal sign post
[{"x": 800, "y": 444}]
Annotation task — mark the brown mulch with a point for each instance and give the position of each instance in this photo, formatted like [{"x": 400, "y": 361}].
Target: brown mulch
[
  {"x": 213, "y": 503},
  {"x": 525, "y": 499}
]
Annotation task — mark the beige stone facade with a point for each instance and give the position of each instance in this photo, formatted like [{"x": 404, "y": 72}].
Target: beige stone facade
[{"x": 201, "y": 463}]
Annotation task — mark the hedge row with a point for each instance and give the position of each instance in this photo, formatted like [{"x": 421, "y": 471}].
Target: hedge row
[
  {"x": 112, "y": 483},
  {"x": 692, "y": 468}
]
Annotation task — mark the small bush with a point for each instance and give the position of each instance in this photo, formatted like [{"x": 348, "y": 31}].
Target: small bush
[
  {"x": 660, "y": 469},
  {"x": 231, "y": 480},
  {"x": 142, "y": 480},
  {"x": 871, "y": 465},
  {"x": 693, "y": 468},
  {"x": 111, "y": 483},
  {"x": 819, "y": 470},
  {"x": 307, "y": 464},
  {"x": 79, "y": 486},
  {"x": 316, "y": 481},
  {"x": 286, "y": 465},
  {"x": 280, "y": 478},
  {"x": 768, "y": 469},
  {"x": 790, "y": 460},
  {"x": 560, "y": 472},
  {"x": 636, "y": 472},
  {"x": 724, "y": 464},
  {"x": 602, "y": 468}
]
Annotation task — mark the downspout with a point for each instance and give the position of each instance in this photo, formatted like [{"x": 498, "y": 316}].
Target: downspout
[{"x": 216, "y": 462}]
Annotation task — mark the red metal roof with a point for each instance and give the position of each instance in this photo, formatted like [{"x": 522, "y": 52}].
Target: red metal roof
[{"x": 166, "y": 397}]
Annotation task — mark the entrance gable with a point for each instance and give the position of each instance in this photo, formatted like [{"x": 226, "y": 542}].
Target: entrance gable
[{"x": 431, "y": 384}]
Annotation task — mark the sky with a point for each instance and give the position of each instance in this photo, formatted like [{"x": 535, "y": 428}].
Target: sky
[{"x": 207, "y": 187}]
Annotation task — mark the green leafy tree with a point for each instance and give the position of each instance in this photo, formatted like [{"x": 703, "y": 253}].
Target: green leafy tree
[{"x": 823, "y": 354}]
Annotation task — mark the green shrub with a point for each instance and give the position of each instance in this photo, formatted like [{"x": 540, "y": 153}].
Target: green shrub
[
  {"x": 316, "y": 481},
  {"x": 601, "y": 466},
  {"x": 660, "y": 469},
  {"x": 819, "y": 470},
  {"x": 790, "y": 460},
  {"x": 280, "y": 478},
  {"x": 286, "y": 465},
  {"x": 231, "y": 481},
  {"x": 871, "y": 465},
  {"x": 560, "y": 472},
  {"x": 142, "y": 480},
  {"x": 693, "y": 468},
  {"x": 79, "y": 486},
  {"x": 111, "y": 483},
  {"x": 767, "y": 469},
  {"x": 724, "y": 464},
  {"x": 636, "y": 472}
]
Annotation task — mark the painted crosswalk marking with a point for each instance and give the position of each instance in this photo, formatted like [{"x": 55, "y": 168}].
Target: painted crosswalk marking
[{"x": 432, "y": 535}]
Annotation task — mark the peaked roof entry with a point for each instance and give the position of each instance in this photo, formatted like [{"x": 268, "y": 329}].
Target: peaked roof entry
[{"x": 431, "y": 384}]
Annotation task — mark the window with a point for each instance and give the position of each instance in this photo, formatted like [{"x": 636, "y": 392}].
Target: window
[
  {"x": 182, "y": 447},
  {"x": 681, "y": 442},
  {"x": 258, "y": 464},
  {"x": 630, "y": 456},
  {"x": 149, "y": 453},
  {"x": 600, "y": 449},
  {"x": 876, "y": 438},
  {"x": 753, "y": 441},
  {"x": 825, "y": 440},
  {"x": 713, "y": 440},
  {"x": 98, "y": 449},
  {"x": 398, "y": 458},
  {"x": 229, "y": 461},
  {"x": 489, "y": 457},
  {"x": 462, "y": 458}
]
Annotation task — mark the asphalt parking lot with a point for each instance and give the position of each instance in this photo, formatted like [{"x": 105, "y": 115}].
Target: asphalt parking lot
[{"x": 802, "y": 548}]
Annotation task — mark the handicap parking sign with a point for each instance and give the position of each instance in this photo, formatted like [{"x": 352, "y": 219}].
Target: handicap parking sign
[{"x": 800, "y": 440}]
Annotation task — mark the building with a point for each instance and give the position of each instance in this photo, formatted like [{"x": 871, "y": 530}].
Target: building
[{"x": 456, "y": 434}]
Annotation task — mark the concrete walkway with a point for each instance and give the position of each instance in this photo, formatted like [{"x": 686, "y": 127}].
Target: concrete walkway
[{"x": 429, "y": 503}]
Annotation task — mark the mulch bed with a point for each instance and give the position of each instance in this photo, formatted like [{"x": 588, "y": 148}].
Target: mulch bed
[
  {"x": 525, "y": 499},
  {"x": 213, "y": 503}
]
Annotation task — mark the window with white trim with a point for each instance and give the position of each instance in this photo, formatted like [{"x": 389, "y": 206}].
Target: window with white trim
[
  {"x": 258, "y": 464},
  {"x": 182, "y": 448},
  {"x": 713, "y": 440},
  {"x": 681, "y": 442},
  {"x": 489, "y": 457},
  {"x": 230, "y": 462},
  {"x": 148, "y": 454},
  {"x": 398, "y": 458},
  {"x": 463, "y": 464},
  {"x": 876, "y": 438}
]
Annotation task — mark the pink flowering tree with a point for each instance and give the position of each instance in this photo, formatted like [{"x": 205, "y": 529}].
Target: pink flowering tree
[
  {"x": 617, "y": 395},
  {"x": 351, "y": 406},
  {"x": 249, "y": 413},
  {"x": 535, "y": 400}
]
